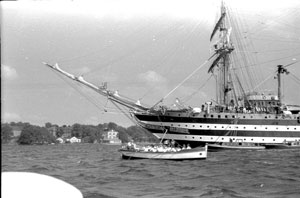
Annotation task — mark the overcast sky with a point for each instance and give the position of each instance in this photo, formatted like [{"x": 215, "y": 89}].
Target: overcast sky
[{"x": 141, "y": 48}]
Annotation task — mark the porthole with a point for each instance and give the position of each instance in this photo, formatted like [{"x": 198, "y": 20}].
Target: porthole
[
  {"x": 193, "y": 137},
  {"x": 266, "y": 117},
  {"x": 251, "y": 139},
  {"x": 207, "y": 126},
  {"x": 215, "y": 126},
  {"x": 193, "y": 125},
  {"x": 219, "y": 116},
  {"x": 273, "y": 140},
  {"x": 244, "y": 127},
  {"x": 266, "y": 128},
  {"x": 204, "y": 116},
  {"x": 263, "y": 139},
  {"x": 222, "y": 138},
  {"x": 244, "y": 116},
  {"x": 233, "y": 116},
  {"x": 222, "y": 127},
  {"x": 200, "y": 137},
  {"x": 179, "y": 115},
  {"x": 226, "y": 116},
  {"x": 212, "y": 116},
  {"x": 200, "y": 126}
]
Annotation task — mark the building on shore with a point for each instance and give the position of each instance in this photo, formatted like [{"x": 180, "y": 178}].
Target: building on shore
[{"x": 111, "y": 137}]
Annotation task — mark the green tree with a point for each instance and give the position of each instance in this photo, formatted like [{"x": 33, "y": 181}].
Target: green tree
[
  {"x": 59, "y": 132},
  {"x": 35, "y": 135},
  {"x": 48, "y": 125},
  {"x": 6, "y": 133},
  {"x": 76, "y": 130}
]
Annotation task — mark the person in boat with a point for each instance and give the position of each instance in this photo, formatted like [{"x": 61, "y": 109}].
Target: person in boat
[
  {"x": 188, "y": 146},
  {"x": 129, "y": 145},
  {"x": 183, "y": 147},
  {"x": 173, "y": 143}
]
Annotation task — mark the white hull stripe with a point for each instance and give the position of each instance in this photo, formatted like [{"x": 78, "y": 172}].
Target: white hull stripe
[
  {"x": 232, "y": 127},
  {"x": 204, "y": 138}
]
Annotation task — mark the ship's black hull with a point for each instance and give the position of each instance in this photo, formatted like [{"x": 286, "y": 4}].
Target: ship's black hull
[{"x": 197, "y": 129}]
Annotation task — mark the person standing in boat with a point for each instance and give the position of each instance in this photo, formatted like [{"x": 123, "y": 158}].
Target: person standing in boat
[{"x": 173, "y": 143}]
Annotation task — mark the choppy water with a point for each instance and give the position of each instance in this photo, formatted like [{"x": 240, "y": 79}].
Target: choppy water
[{"x": 98, "y": 171}]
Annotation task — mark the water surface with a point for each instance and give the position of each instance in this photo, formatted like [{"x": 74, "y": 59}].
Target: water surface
[{"x": 98, "y": 171}]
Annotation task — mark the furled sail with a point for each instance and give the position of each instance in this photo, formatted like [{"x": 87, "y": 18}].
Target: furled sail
[
  {"x": 216, "y": 61},
  {"x": 217, "y": 25}
]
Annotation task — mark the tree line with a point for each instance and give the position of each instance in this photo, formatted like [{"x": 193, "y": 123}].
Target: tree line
[{"x": 32, "y": 134}]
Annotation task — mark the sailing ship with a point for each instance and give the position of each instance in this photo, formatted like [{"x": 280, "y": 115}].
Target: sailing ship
[{"x": 254, "y": 117}]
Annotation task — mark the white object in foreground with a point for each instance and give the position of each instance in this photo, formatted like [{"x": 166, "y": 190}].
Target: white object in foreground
[{"x": 34, "y": 185}]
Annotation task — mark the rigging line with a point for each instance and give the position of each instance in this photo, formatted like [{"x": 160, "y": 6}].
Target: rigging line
[
  {"x": 172, "y": 53},
  {"x": 296, "y": 77},
  {"x": 184, "y": 100},
  {"x": 127, "y": 115},
  {"x": 296, "y": 41},
  {"x": 271, "y": 22},
  {"x": 263, "y": 82},
  {"x": 259, "y": 64},
  {"x": 183, "y": 81},
  {"x": 76, "y": 89}
]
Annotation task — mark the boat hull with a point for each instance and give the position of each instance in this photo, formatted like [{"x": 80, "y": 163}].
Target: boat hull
[
  {"x": 281, "y": 146},
  {"x": 198, "y": 129},
  {"x": 213, "y": 147},
  {"x": 188, "y": 154}
]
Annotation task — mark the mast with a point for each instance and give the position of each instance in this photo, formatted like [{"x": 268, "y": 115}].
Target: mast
[
  {"x": 223, "y": 47},
  {"x": 280, "y": 70}
]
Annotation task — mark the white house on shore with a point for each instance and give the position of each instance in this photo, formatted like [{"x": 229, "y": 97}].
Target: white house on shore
[
  {"x": 111, "y": 137},
  {"x": 60, "y": 140},
  {"x": 73, "y": 140}
]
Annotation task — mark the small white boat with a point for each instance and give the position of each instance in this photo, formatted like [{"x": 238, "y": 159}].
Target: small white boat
[
  {"x": 186, "y": 154},
  {"x": 235, "y": 146}
]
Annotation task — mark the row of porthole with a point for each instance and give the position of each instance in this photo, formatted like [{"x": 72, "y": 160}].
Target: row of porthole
[
  {"x": 232, "y": 139},
  {"x": 226, "y": 116},
  {"x": 230, "y": 127}
]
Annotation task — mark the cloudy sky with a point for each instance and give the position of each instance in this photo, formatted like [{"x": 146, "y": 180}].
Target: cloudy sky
[{"x": 141, "y": 48}]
